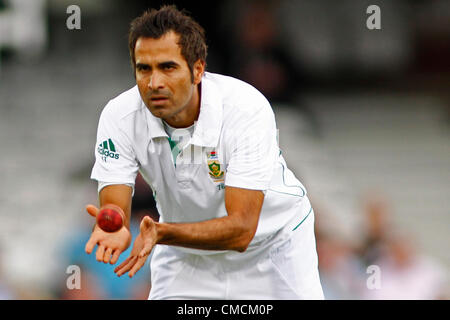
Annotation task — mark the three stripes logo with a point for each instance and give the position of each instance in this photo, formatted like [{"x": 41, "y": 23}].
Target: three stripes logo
[{"x": 107, "y": 150}]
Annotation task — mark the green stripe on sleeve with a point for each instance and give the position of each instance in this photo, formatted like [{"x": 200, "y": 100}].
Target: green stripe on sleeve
[
  {"x": 111, "y": 146},
  {"x": 302, "y": 220}
]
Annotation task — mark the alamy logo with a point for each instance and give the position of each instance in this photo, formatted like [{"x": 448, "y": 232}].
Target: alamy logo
[{"x": 107, "y": 149}]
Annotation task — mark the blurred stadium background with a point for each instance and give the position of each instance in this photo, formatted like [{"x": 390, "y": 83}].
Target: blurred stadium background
[{"x": 363, "y": 118}]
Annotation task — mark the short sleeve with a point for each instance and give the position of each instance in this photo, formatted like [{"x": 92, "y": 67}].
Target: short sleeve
[
  {"x": 115, "y": 160},
  {"x": 102, "y": 184},
  {"x": 254, "y": 150}
]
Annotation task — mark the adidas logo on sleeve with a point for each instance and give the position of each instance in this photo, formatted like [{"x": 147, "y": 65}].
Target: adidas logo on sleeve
[{"x": 107, "y": 149}]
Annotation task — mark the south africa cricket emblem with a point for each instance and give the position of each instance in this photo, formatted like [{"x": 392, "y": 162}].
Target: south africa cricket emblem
[{"x": 215, "y": 171}]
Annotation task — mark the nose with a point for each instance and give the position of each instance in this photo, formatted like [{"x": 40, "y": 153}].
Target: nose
[{"x": 156, "y": 82}]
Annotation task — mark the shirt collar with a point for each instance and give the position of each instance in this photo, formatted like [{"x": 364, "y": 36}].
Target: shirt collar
[
  {"x": 155, "y": 125},
  {"x": 209, "y": 123}
]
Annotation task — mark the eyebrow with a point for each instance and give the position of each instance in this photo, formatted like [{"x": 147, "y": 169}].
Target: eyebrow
[{"x": 164, "y": 64}]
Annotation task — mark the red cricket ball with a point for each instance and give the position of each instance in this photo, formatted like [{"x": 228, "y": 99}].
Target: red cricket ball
[{"x": 110, "y": 218}]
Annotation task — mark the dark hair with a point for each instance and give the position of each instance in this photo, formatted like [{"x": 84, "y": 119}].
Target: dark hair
[{"x": 155, "y": 23}]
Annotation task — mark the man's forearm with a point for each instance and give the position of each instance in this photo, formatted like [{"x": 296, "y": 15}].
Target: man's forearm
[
  {"x": 226, "y": 233},
  {"x": 119, "y": 195}
]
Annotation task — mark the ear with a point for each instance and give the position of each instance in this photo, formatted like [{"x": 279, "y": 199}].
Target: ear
[{"x": 198, "y": 70}]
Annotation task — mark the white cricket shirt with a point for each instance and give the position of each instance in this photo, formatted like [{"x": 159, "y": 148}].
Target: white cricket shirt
[{"x": 234, "y": 143}]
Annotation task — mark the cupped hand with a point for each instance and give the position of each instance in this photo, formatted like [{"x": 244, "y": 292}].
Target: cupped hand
[
  {"x": 110, "y": 244},
  {"x": 143, "y": 245}
]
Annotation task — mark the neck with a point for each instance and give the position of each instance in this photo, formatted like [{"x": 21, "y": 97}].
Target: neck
[{"x": 189, "y": 114}]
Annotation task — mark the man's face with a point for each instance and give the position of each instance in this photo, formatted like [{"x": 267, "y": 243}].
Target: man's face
[{"x": 163, "y": 76}]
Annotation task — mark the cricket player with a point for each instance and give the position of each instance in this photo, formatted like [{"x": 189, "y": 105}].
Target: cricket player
[{"x": 235, "y": 223}]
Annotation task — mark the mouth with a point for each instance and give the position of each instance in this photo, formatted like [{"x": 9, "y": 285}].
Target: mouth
[
  {"x": 158, "y": 97},
  {"x": 156, "y": 100}
]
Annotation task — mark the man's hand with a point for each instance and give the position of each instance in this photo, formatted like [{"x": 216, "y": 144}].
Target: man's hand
[
  {"x": 142, "y": 247},
  {"x": 109, "y": 244}
]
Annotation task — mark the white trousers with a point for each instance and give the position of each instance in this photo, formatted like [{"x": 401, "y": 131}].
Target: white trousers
[{"x": 284, "y": 266}]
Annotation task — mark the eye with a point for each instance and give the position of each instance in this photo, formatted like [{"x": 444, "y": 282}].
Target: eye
[
  {"x": 168, "y": 66},
  {"x": 142, "y": 67}
]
